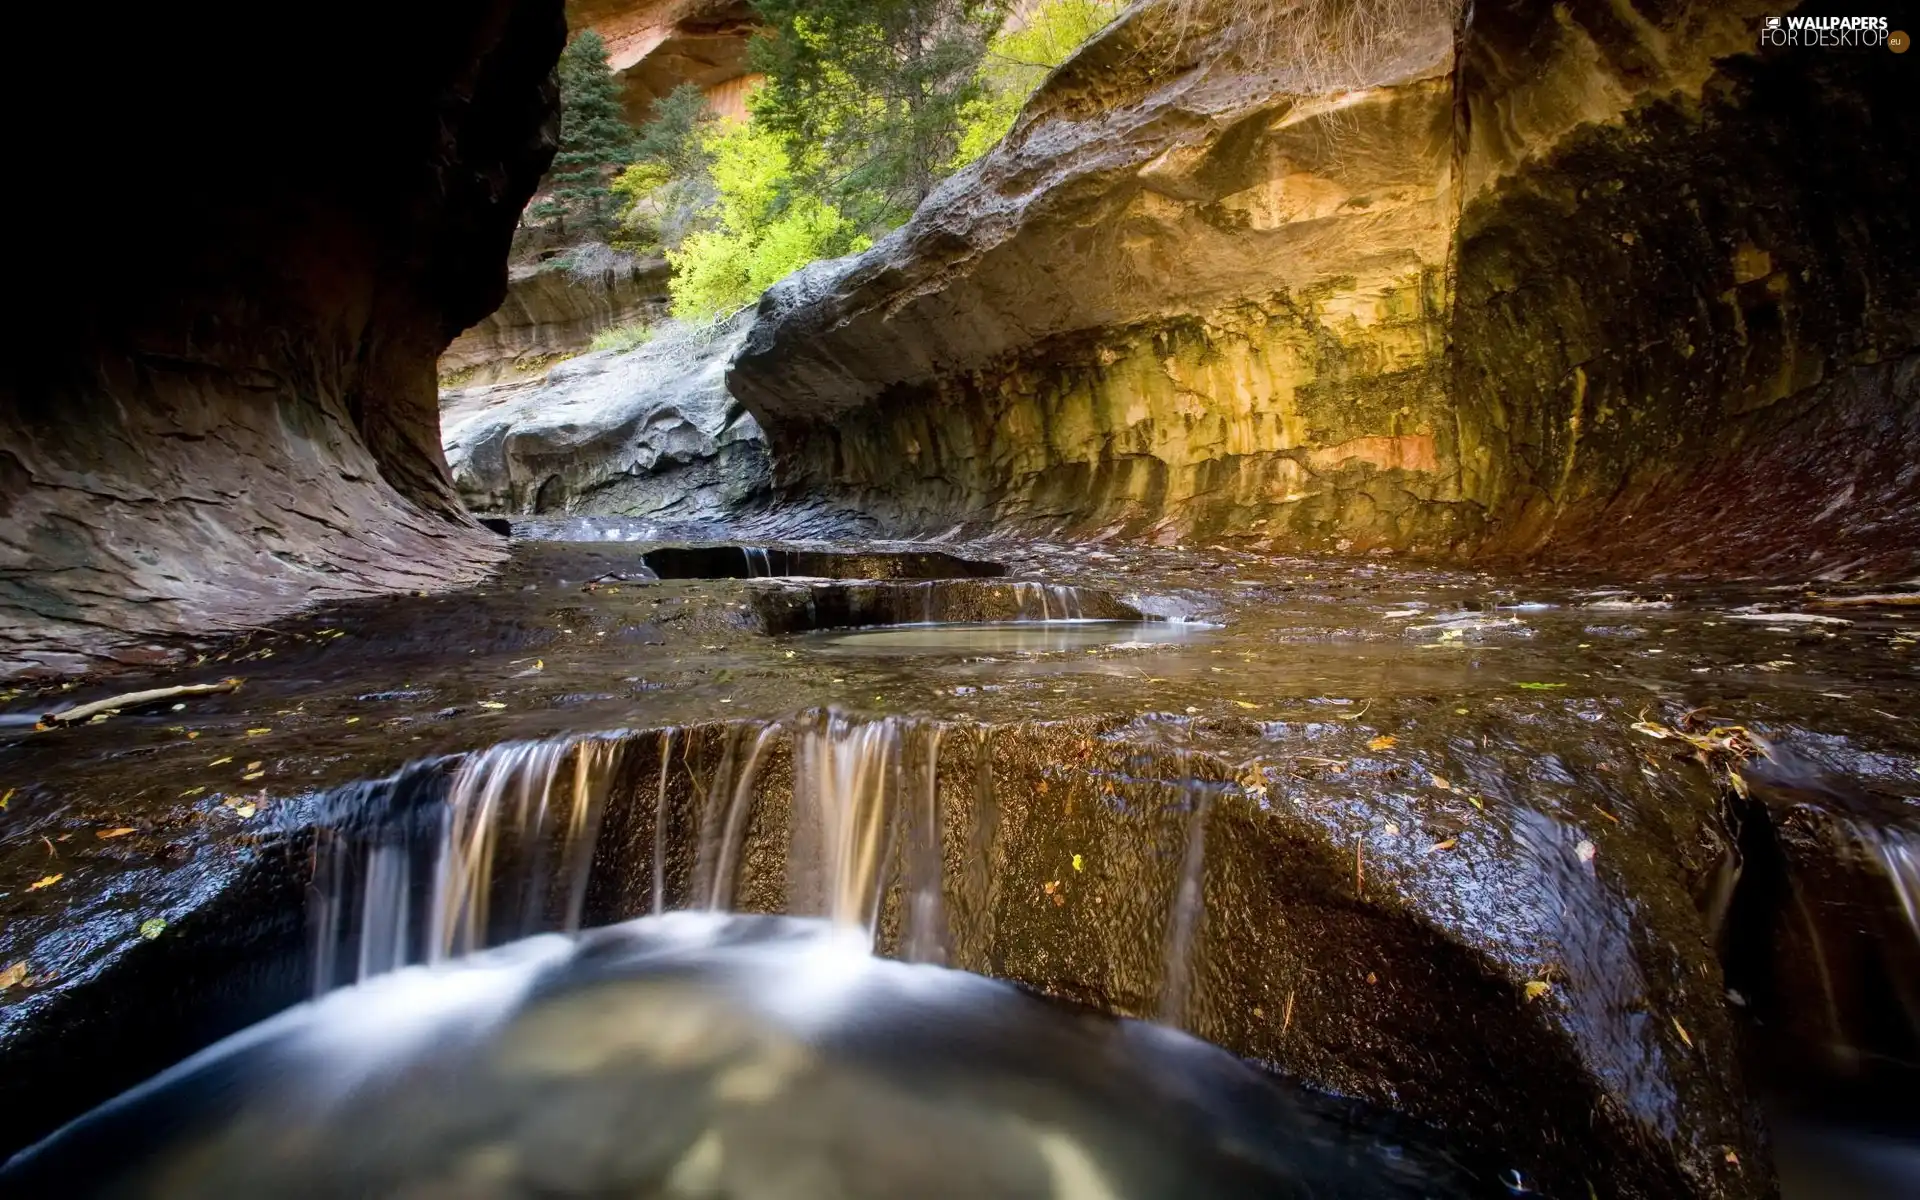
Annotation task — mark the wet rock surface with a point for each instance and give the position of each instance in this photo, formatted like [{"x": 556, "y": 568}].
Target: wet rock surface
[
  {"x": 1402, "y": 824},
  {"x": 649, "y": 433},
  {"x": 754, "y": 1057}
]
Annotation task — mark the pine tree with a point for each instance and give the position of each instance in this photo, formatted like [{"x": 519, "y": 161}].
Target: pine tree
[{"x": 595, "y": 142}]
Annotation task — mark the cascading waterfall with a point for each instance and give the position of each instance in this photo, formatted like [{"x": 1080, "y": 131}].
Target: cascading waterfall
[
  {"x": 1896, "y": 851},
  {"x": 512, "y": 820},
  {"x": 1188, "y": 903},
  {"x": 1048, "y": 602},
  {"x": 508, "y": 843},
  {"x": 759, "y": 566}
]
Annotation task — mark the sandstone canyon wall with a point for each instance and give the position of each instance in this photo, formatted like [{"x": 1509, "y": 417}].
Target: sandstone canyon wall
[
  {"x": 221, "y": 403},
  {"x": 655, "y": 46},
  {"x": 1590, "y": 280},
  {"x": 552, "y": 311}
]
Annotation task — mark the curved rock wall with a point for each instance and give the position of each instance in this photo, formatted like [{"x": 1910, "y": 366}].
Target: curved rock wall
[
  {"x": 656, "y": 45},
  {"x": 651, "y": 432},
  {"x": 1580, "y": 280},
  {"x": 554, "y": 311},
  {"x": 221, "y": 405}
]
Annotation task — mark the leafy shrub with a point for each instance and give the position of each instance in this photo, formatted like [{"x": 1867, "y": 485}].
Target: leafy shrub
[
  {"x": 765, "y": 230},
  {"x": 1018, "y": 61},
  {"x": 623, "y": 338}
]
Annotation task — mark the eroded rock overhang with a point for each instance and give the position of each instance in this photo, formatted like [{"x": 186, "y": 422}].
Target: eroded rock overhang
[{"x": 1570, "y": 281}]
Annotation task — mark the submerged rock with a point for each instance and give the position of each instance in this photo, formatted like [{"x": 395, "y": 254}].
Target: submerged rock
[
  {"x": 699, "y": 1055},
  {"x": 651, "y": 432}
]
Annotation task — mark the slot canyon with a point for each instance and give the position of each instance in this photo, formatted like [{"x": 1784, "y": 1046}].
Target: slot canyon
[{"x": 1333, "y": 613}]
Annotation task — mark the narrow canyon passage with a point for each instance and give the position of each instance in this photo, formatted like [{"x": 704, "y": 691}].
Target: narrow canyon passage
[{"x": 1301, "y": 625}]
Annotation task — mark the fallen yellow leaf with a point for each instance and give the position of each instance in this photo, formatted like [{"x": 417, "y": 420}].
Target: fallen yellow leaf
[
  {"x": 256, "y": 765},
  {"x": 123, "y": 831},
  {"x": 1246, "y": 704},
  {"x": 1383, "y": 742},
  {"x": 253, "y": 775},
  {"x": 46, "y": 881},
  {"x": 1440, "y": 782},
  {"x": 257, "y": 732},
  {"x": 353, "y": 720},
  {"x": 1682, "y": 1031},
  {"x": 192, "y": 792},
  {"x": 1079, "y": 864},
  {"x": 13, "y": 976},
  {"x": 4, "y": 800},
  {"x": 221, "y": 762},
  {"x": 1446, "y": 845},
  {"x": 1537, "y": 988}
]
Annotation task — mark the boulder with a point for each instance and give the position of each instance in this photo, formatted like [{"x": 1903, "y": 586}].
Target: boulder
[{"x": 651, "y": 432}]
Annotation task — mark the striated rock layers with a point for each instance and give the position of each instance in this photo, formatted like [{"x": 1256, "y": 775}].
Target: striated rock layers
[
  {"x": 655, "y": 46},
  {"x": 220, "y": 404},
  {"x": 649, "y": 433},
  {"x": 551, "y": 311},
  {"x": 1581, "y": 280}
]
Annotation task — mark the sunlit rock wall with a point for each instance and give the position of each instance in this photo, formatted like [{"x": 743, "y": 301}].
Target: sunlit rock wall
[
  {"x": 1579, "y": 280},
  {"x": 220, "y": 404},
  {"x": 656, "y": 45}
]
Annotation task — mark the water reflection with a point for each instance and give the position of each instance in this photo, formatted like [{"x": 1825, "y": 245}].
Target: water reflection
[{"x": 1007, "y": 637}]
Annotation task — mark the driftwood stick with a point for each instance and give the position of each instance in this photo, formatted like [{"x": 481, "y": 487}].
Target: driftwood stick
[{"x": 82, "y": 712}]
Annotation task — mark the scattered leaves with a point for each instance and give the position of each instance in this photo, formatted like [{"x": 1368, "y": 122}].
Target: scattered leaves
[
  {"x": 1383, "y": 742},
  {"x": 353, "y": 720},
  {"x": 1079, "y": 864},
  {"x": 123, "y": 831},
  {"x": 194, "y": 791},
  {"x": 250, "y": 776},
  {"x": 13, "y": 976},
  {"x": 46, "y": 881},
  {"x": 1438, "y": 846},
  {"x": 242, "y": 808},
  {"x": 1537, "y": 988},
  {"x": 221, "y": 762},
  {"x": 153, "y": 927},
  {"x": 1246, "y": 704},
  {"x": 1440, "y": 781},
  {"x": 1539, "y": 687},
  {"x": 491, "y": 704},
  {"x": 258, "y": 732}
]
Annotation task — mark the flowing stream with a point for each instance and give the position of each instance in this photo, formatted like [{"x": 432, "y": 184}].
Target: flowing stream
[{"x": 1313, "y": 812}]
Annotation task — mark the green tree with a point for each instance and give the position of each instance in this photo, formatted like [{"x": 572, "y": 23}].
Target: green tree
[
  {"x": 866, "y": 96},
  {"x": 767, "y": 230},
  {"x": 668, "y": 191},
  {"x": 1018, "y": 60},
  {"x": 595, "y": 142},
  {"x": 674, "y": 135}
]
